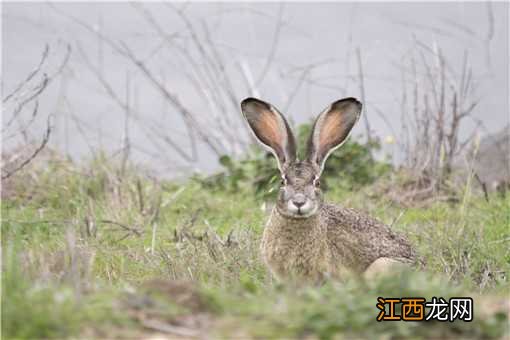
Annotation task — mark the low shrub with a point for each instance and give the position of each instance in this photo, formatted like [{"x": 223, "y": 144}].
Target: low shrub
[{"x": 350, "y": 166}]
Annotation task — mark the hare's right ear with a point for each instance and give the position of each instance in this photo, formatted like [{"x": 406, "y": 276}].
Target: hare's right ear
[{"x": 271, "y": 129}]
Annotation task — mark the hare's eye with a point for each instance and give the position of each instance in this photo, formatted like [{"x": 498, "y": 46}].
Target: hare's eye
[
  {"x": 284, "y": 180},
  {"x": 317, "y": 182}
]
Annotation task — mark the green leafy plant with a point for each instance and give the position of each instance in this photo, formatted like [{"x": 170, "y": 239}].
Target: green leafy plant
[
  {"x": 351, "y": 166},
  {"x": 256, "y": 170}
]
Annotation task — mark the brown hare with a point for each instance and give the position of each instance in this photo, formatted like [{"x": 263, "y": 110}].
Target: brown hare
[{"x": 305, "y": 237}]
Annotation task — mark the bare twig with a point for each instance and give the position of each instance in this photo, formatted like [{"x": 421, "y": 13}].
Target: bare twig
[
  {"x": 296, "y": 89},
  {"x": 125, "y": 141},
  {"x": 139, "y": 190},
  {"x": 36, "y": 91},
  {"x": 31, "y": 75},
  {"x": 24, "y": 128},
  {"x": 123, "y": 226},
  {"x": 172, "y": 98},
  {"x": 483, "y": 185},
  {"x": 272, "y": 50},
  {"x": 362, "y": 93},
  {"x": 44, "y": 141},
  {"x": 432, "y": 140},
  {"x": 490, "y": 35}
]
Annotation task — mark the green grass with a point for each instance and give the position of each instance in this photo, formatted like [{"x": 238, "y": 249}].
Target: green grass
[
  {"x": 80, "y": 244},
  {"x": 348, "y": 309}
]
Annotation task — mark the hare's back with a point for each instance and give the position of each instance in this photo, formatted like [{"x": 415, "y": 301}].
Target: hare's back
[{"x": 361, "y": 238}]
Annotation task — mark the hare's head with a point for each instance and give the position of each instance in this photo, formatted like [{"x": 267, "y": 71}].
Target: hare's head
[{"x": 300, "y": 195}]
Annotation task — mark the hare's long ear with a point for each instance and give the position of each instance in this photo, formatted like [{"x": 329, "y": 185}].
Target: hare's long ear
[
  {"x": 331, "y": 129},
  {"x": 271, "y": 129}
]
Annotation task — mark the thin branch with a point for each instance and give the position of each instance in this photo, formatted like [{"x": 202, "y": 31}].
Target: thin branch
[
  {"x": 362, "y": 93},
  {"x": 24, "y": 128},
  {"x": 45, "y": 140},
  {"x": 123, "y": 226},
  {"x": 296, "y": 89},
  {"x": 30, "y": 75},
  {"x": 272, "y": 50},
  {"x": 36, "y": 92},
  {"x": 172, "y": 98}
]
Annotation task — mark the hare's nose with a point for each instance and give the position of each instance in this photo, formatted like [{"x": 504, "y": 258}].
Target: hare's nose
[
  {"x": 298, "y": 204},
  {"x": 299, "y": 200}
]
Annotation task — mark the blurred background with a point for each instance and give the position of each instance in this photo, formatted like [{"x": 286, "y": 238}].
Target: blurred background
[
  {"x": 159, "y": 84},
  {"x": 133, "y": 197}
]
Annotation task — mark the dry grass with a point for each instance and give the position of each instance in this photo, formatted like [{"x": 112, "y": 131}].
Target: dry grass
[{"x": 95, "y": 252}]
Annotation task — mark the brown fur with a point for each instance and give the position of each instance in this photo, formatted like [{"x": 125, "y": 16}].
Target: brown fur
[
  {"x": 334, "y": 242},
  {"x": 304, "y": 237}
]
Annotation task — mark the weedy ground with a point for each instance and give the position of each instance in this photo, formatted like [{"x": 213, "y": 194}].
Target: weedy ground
[{"x": 96, "y": 251}]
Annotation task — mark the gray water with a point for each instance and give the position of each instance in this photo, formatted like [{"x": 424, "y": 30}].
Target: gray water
[{"x": 322, "y": 37}]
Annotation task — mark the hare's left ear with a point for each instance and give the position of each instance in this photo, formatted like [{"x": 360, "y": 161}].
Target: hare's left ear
[
  {"x": 331, "y": 129},
  {"x": 271, "y": 129}
]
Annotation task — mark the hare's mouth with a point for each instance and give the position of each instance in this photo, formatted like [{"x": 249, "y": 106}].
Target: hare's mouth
[{"x": 301, "y": 211}]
